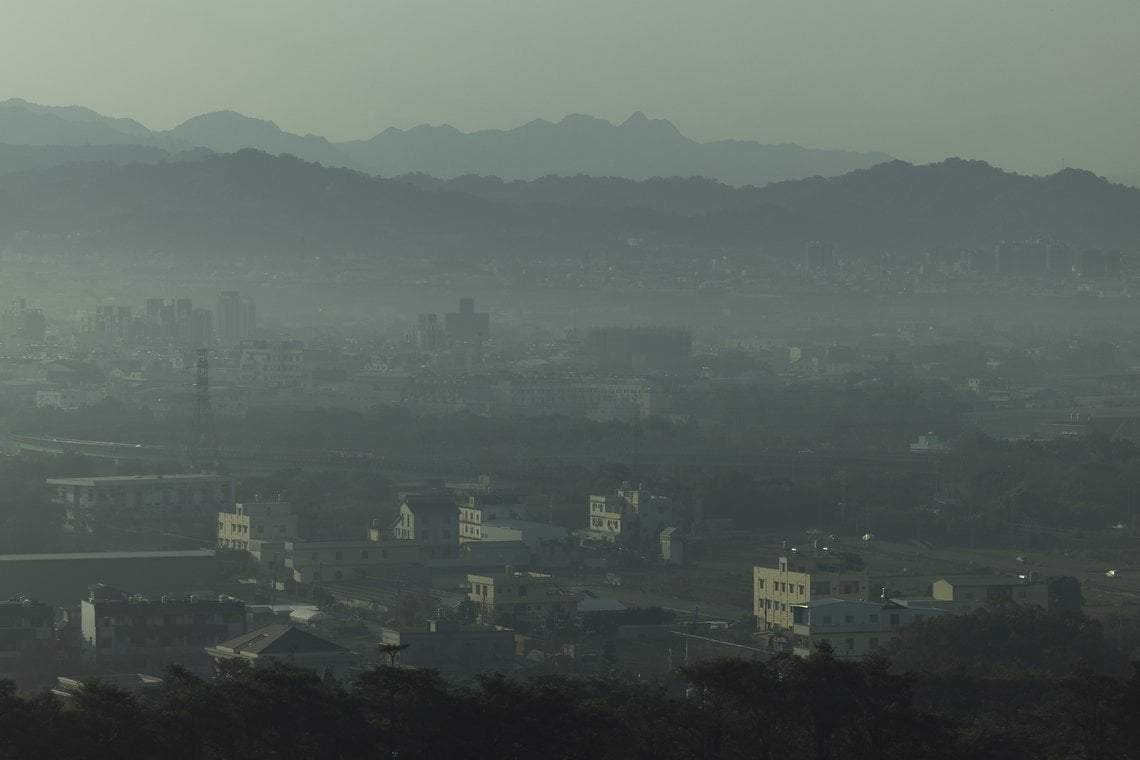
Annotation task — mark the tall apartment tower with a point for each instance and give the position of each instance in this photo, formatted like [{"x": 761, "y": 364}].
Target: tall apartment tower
[{"x": 235, "y": 316}]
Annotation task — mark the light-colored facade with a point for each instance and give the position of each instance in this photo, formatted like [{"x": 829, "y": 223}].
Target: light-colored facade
[
  {"x": 256, "y": 521},
  {"x": 797, "y": 579},
  {"x": 477, "y": 509},
  {"x": 853, "y": 629},
  {"x": 519, "y": 599},
  {"x": 629, "y": 515},
  {"x": 971, "y": 592},
  {"x": 137, "y": 499}
]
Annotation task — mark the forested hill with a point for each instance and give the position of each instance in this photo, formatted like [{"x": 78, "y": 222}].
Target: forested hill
[{"x": 251, "y": 201}]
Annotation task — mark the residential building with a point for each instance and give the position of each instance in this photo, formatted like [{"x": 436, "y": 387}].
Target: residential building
[
  {"x": 27, "y": 635},
  {"x": 133, "y": 633},
  {"x": 797, "y": 579},
  {"x": 479, "y": 508},
  {"x": 430, "y": 522},
  {"x": 345, "y": 559},
  {"x": 630, "y": 515},
  {"x": 467, "y": 325},
  {"x": 275, "y": 363},
  {"x": 234, "y": 317},
  {"x": 287, "y": 644},
  {"x": 137, "y": 500},
  {"x": 519, "y": 599},
  {"x": 256, "y": 521},
  {"x": 852, "y": 629}
]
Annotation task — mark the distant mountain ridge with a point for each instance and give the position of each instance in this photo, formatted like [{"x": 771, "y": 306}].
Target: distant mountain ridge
[
  {"x": 638, "y": 148},
  {"x": 251, "y": 202}
]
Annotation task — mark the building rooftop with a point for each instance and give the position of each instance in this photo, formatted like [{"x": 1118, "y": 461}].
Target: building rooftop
[
  {"x": 111, "y": 480},
  {"x": 186, "y": 553},
  {"x": 279, "y": 639},
  {"x": 984, "y": 580}
]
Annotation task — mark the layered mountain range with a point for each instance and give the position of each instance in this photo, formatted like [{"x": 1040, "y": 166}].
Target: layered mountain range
[{"x": 639, "y": 148}]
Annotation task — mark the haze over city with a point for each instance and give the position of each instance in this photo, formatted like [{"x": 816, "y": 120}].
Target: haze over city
[{"x": 613, "y": 380}]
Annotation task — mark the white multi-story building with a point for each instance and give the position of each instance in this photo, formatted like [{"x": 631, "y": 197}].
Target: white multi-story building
[
  {"x": 630, "y": 514},
  {"x": 256, "y": 521},
  {"x": 477, "y": 510},
  {"x": 851, "y": 628}
]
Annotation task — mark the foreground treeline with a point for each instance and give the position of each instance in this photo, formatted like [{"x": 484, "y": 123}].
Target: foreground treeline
[{"x": 818, "y": 707}]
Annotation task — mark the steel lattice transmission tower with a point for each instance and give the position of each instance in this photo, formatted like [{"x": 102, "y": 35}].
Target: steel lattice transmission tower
[{"x": 204, "y": 441}]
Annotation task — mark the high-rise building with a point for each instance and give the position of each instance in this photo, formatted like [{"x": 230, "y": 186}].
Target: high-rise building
[
  {"x": 467, "y": 325},
  {"x": 235, "y": 317}
]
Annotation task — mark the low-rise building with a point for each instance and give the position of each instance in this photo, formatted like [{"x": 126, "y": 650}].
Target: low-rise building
[
  {"x": 519, "y": 599},
  {"x": 287, "y": 644},
  {"x": 27, "y": 631},
  {"x": 132, "y": 633},
  {"x": 969, "y": 592},
  {"x": 452, "y": 648},
  {"x": 852, "y": 629},
  {"x": 345, "y": 559},
  {"x": 475, "y": 510},
  {"x": 138, "y": 500}
]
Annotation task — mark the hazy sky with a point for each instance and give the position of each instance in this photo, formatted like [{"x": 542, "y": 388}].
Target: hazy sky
[{"x": 1024, "y": 84}]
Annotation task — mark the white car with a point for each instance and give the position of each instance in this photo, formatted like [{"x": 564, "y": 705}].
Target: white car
[
  {"x": 1112, "y": 574},
  {"x": 868, "y": 536}
]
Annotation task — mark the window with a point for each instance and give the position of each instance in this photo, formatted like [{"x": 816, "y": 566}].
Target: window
[
  {"x": 874, "y": 618},
  {"x": 873, "y": 642},
  {"x": 849, "y": 619},
  {"x": 969, "y": 594},
  {"x": 760, "y": 584},
  {"x": 313, "y": 556},
  {"x": 894, "y": 618},
  {"x": 827, "y": 619},
  {"x": 800, "y": 589}
]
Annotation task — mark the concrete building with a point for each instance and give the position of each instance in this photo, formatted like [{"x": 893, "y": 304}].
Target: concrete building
[
  {"x": 969, "y": 592},
  {"x": 453, "y": 649},
  {"x": 430, "y": 522},
  {"x": 852, "y": 629},
  {"x": 519, "y": 599},
  {"x": 271, "y": 521},
  {"x": 133, "y": 633},
  {"x": 27, "y": 635},
  {"x": 630, "y": 515},
  {"x": 467, "y": 325},
  {"x": 798, "y": 579},
  {"x": 272, "y": 363},
  {"x": 62, "y": 579},
  {"x": 477, "y": 509},
  {"x": 641, "y": 350},
  {"x": 138, "y": 500},
  {"x": 345, "y": 559},
  {"x": 235, "y": 317},
  {"x": 287, "y": 644}
]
